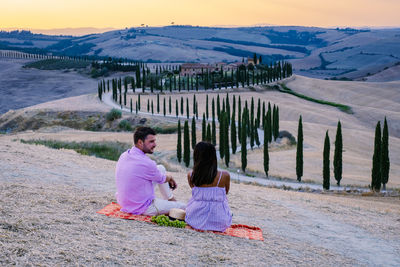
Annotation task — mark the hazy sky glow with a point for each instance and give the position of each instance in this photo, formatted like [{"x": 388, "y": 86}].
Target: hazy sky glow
[{"x": 50, "y": 14}]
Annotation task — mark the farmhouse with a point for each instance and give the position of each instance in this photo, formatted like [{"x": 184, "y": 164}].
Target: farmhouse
[{"x": 195, "y": 68}]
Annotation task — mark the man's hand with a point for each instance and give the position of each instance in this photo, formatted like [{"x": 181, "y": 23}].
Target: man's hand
[{"x": 171, "y": 182}]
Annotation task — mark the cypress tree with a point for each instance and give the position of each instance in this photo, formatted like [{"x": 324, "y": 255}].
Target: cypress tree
[
  {"x": 263, "y": 114},
  {"x": 273, "y": 121},
  {"x": 244, "y": 143},
  {"x": 197, "y": 110},
  {"x": 258, "y": 113},
  {"x": 256, "y": 137},
  {"x": 376, "y": 160},
  {"x": 252, "y": 133},
  {"x": 186, "y": 144},
  {"x": 208, "y": 135},
  {"x": 326, "y": 171},
  {"x": 226, "y": 139},
  {"x": 213, "y": 109},
  {"x": 266, "y": 152},
  {"x": 234, "y": 108},
  {"x": 158, "y": 103},
  {"x": 187, "y": 108},
  {"x": 152, "y": 107},
  {"x": 218, "y": 107},
  {"x": 385, "y": 155},
  {"x": 247, "y": 119},
  {"x": 233, "y": 133},
  {"x": 276, "y": 124},
  {"x": 203, "y": 128},
  {"x": 269, "y": 126},
  {"x": 179, "y": 146},
  {"x": 148, "y": 105},
  {"x": 139, "y": 101},
  {"x": 136, "y": 107},
  {"x": 221, "y": 136},
  {"x": 182, "y": 105},
  {"x": 299, "y": 153},
  {"x": 337, "y": 157},
  {"x": 194, "y": 103},
  {"x": 164, "y": 107},
  {"x": 228, "y": 109},
  {"x": 193, "y": 133},
  {"x": 240, "y": 120},
  {"x": 252, "y": 112},
  {"x": 170, "y": 105},
  {"x": 176, "y": 108},
  {"x": 213, "y": 133},
  {"x": 207, "y": 106},
  {"x": 132, "y": 107},
  {"x": 144, "y": 79}
]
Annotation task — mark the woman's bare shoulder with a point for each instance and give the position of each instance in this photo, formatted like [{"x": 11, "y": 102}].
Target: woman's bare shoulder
[{"x": 225, "y": 174}]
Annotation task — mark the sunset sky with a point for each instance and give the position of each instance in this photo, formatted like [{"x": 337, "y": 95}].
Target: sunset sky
[{"x": 50, "y": 14}]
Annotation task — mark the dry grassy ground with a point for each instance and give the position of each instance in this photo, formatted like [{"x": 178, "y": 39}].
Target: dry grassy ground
[{"x": 49, "y": 199}]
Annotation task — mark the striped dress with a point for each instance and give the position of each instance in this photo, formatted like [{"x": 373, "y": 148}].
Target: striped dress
[{"x": 208, "y": 208}]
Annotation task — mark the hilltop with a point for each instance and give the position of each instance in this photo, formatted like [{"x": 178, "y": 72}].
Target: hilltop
[{"x": 341, "y": 53}]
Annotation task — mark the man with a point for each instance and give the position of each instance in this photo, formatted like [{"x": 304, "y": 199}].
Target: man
[{"x": 136, "y": 174}]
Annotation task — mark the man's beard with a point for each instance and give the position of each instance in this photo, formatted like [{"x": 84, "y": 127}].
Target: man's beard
[{"x": 147, "y": 150}]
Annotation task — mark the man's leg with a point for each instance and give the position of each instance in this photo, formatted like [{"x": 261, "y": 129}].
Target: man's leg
[
  {"x": 162, "y": 206},
  {"x": 165, "y": 190}
]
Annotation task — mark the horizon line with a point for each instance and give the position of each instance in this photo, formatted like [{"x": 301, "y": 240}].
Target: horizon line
[{"x": 96, "y": 30}]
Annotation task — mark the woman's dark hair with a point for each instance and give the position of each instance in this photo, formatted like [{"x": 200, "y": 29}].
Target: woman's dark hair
[
  {"x": 141, "y": 133},
  {"x": 205, "y": 164}
]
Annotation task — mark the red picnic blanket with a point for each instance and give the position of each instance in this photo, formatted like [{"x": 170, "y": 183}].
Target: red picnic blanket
[{"x": 238, "y": 230}]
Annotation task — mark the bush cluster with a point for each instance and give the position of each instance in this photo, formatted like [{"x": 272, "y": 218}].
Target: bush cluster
[{"x": 113, "y": 114}]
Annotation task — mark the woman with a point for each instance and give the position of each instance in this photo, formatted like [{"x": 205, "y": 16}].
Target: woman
[{"x": 208, "y": 208}]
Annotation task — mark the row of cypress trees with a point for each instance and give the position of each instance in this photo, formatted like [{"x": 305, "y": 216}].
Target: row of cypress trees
[
  {"x": 208, "y": 80},
  {"x": 17, "y": 54},
  {"x": 380, "y": 160},
  {"x": 229, "y": 134},
  {"x": 337, "y": 157},
  {"x": 271, "y": 115}
]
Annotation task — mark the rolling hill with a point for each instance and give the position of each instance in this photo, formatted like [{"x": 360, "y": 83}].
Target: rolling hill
[{"x": 347, "y": 53}]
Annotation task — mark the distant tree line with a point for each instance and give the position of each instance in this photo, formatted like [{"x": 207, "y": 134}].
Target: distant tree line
[{"x": 167, "y": 80}]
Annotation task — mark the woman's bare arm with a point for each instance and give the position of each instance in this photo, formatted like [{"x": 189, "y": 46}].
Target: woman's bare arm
[
  {"x": 189, "y": 179},
  {"x": 227, "y": 182}
]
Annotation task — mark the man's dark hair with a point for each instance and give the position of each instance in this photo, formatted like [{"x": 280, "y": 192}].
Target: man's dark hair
[
  {"x": 141, "y": 133},
  {"x": 205, "y": 164}
]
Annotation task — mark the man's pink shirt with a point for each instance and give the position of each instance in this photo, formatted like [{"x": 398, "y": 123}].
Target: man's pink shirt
[{"x": 134, "y": 175}]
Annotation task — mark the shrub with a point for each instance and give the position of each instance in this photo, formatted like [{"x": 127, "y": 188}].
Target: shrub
[
  {"x": 166, "y": 129},
  {"x": 105, "y": 150},
  {"x": 113, "y": 114},
  {"x": 125, "y": 125}
]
